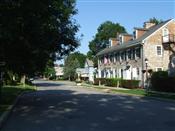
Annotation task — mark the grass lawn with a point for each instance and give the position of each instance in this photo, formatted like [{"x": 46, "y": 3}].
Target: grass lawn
[
  {"x": 142, "y": 92},
  {"x": 10, "y": 93}
]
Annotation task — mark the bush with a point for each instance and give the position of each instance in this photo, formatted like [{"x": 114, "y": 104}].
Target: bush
[
  {"x": 114, "y": 82},
  {"x": 131, "y": 84},
  {"x": 161, "y": 82},
  {"x": 102, "y": 81},
  {"x": 52, "y": 78}
]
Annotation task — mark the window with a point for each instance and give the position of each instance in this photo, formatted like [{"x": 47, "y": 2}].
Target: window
[
  {"x": 117, "y": 56},
  {"x": 138, "y": 72},
  {"x": 165, "y": 32},
  {"x": 129, "y": 54},
  {"x": 120, "y": 40},
  {"x": 133, "y": 54},
  {"x": 138, "y": 52},
  {"x": 159, "y": 69},
  {"x": 124, "y": 55},
  {"x": 111, "y": 58},
  {"x": 121, "y": 56},
  {"x": 159, "y": 50}
]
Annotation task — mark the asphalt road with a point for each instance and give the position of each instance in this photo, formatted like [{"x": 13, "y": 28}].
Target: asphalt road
[{"x": 64, "y": 107}]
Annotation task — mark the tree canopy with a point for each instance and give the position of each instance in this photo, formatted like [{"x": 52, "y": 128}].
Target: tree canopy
[
  {"x": 105, "y": 31},
  {"x": 34, "y": 32},
  {"x": 155, "y": 20},
  {"x": 72, "y": 62}
]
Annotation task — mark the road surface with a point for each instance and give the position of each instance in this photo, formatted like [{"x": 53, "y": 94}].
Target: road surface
[{"x": 61, "y": 106}]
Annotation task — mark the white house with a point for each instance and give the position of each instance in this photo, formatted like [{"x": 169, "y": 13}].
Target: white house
[
  {"x": 89, "y": 67},
  {"x": 59, "y": 71},
  {"x": 86, "y": 73}
]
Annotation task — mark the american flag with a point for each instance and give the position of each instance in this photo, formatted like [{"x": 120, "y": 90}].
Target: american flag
[{"x": 105, "y": 60}]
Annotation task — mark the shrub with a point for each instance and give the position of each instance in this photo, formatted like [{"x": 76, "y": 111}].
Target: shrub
[
  {"x": 131, "y": 84},
  {"x": 114, "y": 82},
  {"x": 160, "y": 81},
  {"x": 102, "y": 81}
]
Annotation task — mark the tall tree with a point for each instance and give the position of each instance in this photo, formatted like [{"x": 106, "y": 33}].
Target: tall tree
[
  {"x": 80, "y": 57},
  {"x": 72, "y": 62},
  {"x": 34, "y": 32},
  {"x": 105, "y": 31},
  {"x": 155, "y": 20},
  {"x": 70, "y": 66}
]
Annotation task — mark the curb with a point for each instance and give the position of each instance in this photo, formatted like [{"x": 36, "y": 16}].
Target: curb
[
  {"x": 6, "y": 114},
  {"x": 102, "y": 89}
]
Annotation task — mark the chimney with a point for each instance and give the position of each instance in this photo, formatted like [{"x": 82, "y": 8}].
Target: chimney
[
  {"x": 139, "y": 32},
  {"x": 148, "y": 25},
  {"x": 113, "y": 42},
  {"x": 127, "y": 37}
]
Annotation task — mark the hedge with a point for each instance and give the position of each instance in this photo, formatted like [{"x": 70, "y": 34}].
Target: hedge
[
  {"x": 160, "y": 81},
  {"x": 102, "y": 81},
  {"x": 115, "y": 82},
  {"x": 131, "y": 84}
]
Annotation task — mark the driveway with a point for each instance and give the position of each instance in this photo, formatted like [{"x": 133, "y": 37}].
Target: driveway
[{"x": 61, "y": 106}]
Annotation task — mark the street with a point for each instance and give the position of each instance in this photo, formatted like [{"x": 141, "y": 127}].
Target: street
[{"x": 62, "y": 106}]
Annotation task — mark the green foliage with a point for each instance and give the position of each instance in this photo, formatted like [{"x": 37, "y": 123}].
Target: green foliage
[
  {"x": 49, "y": 71},
  {"x": 161, "y": 82},
  {"x": 34, "y": 32},
  {"x": 80, "y": 57},
  {"x": 105, "y": 31},
  {"x": 131, "y": 84},
  {"x": 98, "y": 81},
  {"x": 113, "y": 82},
  {"x": 70, "y": 66},
  {"x": 155, "y": 20}
]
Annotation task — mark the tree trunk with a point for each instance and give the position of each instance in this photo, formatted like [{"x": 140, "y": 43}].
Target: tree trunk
[{"x": 23, "y": 79}]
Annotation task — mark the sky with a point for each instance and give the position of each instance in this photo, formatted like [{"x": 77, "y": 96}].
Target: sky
[{"x": 129, "y": 13}]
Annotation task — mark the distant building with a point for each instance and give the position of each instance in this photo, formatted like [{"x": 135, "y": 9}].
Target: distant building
[
  {"x": 59, "y": 71},
  {"x": 148, "y": 48},
  {"x": 89, "y": 67},
  {"x": 86, "y": 73}
]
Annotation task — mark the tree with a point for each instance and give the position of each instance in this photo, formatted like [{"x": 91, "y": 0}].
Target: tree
[
  {"x": 81, "y": 58},
  {"x": 70, "y": 66},
  {"x": 105, "y": 31},
  {"x": 49, "y": 70},
  {"x": 155, "y": 20},
  {"x": 34, "y": 32},
  {"x": 72, "y": 62}
]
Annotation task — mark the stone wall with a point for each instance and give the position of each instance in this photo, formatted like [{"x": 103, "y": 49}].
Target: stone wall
[{"x": 150, "y": 51}]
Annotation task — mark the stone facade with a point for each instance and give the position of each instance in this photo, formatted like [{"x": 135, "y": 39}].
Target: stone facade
[
  {"x": 129, "y": 62},
  {"x": 157, "y": 61}
]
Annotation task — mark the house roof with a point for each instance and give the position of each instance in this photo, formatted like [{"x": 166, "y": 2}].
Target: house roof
[
  {"x": 135, "y": 42},
  {"x": 89, "y": 62}
]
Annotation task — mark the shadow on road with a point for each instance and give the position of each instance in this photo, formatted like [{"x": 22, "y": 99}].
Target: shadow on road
[
  {"x": 47, "y": 84},
  {"x": 70, "y": 110}
]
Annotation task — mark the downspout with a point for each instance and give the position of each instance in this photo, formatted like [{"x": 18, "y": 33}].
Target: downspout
[{"x": 143, "y": 57}]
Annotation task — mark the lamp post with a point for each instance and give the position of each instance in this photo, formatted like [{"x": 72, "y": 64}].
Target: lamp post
[{"x": 146, "y": 67}]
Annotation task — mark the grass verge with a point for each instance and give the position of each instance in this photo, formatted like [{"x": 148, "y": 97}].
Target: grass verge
[
  {"x": 10, "y": 93},
  {"x": 142, "y": 92}
]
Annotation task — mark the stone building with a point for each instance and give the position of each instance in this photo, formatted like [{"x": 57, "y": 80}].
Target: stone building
[{"x": 135, "y": 56}]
